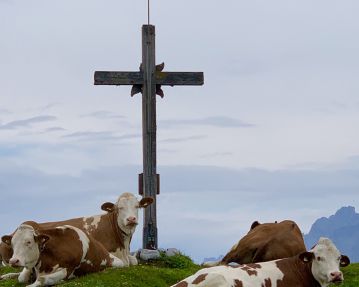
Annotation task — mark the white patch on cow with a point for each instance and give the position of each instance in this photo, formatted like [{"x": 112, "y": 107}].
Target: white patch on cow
[
  {"x": 50, "y": 279},
  {"x": 128, "y": 206},
  {"x": 116, "y": 262},
  {"x": 61, "y": 227},
  {"x": 226, "y": 276},
  {"x": 326, "y": 261},
  {"x": 26, "y": 250},
  {"x": 24, "y": 275},
  {"x": 103, "y": 262},
  {"x": 89, "y": 262},
  {"x": 132, "y": 260},
  {"x": 9, "y": 276},
  {"x": 84, "y": 240},
  {"x": 94, "y": 221},
  {"x": 123, "y": 253}
]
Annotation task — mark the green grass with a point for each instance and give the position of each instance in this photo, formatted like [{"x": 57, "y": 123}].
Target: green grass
[
  {"x": 164, "y": 272},
  {"x": 157, "y": 274}
]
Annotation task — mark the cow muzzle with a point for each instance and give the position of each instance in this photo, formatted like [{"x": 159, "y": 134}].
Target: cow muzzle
[
  {"x": 336, "y": 277},
  {"x": 131, "y": 221},
  {"x": 14, "y": 262}
]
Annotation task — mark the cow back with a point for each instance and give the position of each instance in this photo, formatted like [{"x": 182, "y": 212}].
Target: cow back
[{"x": 267, "y": 241}]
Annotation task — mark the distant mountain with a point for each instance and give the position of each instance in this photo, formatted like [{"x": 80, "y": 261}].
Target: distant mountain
[{"x": 342, "y": 228}]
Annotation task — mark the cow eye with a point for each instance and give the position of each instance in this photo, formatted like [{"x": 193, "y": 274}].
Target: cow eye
[
  {"x": 319, "y": 258},
  {"x": 28, "y": 243}
]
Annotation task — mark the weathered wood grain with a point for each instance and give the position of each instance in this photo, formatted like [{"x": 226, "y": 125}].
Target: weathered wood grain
[{"x": 118, "y": 78}]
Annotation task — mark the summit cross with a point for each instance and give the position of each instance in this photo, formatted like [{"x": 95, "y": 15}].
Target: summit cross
[{"x": 148, "y": 81}]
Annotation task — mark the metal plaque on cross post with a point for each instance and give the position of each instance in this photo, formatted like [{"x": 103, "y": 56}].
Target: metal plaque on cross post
[{"x": 148, "y": 81}]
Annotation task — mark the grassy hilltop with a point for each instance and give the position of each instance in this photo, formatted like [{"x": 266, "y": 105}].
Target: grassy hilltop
[{"x": 161, "y": 273}]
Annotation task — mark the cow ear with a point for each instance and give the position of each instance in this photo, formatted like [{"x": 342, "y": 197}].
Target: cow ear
[
  {"x": 255, "y": 224},
  {"x": 344, "y": 261},
  {"x": 108, "y": 206},
  {"x": 6, "y": 239},
  {"x": 146, "y": 201},
  {"x": 41, "y": 239},
  {"x": 306, "y": 257}
]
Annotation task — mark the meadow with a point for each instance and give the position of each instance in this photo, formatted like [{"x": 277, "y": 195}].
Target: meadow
[{"x": 160, "y": 273}]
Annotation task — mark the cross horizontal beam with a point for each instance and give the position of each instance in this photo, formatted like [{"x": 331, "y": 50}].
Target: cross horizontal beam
[{"x": 161, "y": 78}]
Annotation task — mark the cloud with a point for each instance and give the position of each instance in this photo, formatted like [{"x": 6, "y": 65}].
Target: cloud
[
  {"x": 104, "y": 115},
  {"x": 100, "y": 136},
  {"x": 26, "y": 122},
  {"x": 5, "y": 112},
  {"x": 216, "y": 154},
  {"x": 183, "y": 139},
  {"x": 205, "y": 196},
  {"x": 54, "y": 129},
  {"x": 219, "y": 121}
]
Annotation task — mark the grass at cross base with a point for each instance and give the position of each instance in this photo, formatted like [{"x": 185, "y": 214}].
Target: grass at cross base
[{"x": 156, "y": 275}]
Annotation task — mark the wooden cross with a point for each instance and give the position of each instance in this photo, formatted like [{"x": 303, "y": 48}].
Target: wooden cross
[{"x": 148, "y": 81}]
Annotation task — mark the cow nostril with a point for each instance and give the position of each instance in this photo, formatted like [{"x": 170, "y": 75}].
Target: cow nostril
[
  {"x": 337, "y": 276},
  {"x": 13, "y": 261}
]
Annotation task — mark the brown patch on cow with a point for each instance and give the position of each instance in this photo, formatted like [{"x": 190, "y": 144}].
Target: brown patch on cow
[
  {"x": 5, "y": 252},
  {"x": 267, "y": 241},
  {"x": 254, "y": 265},
  {"x": 238, "y": 283},
  {"x": 64, "y": 249},
  {"x": 181, "y": 284},
  {"x": 296, "y": 273},
  {"x": 249, "y": 270},
  {"x": 267, "y": 283},
  {"x": 200, "y": 278},
  {"x": 107, "y": 232}
]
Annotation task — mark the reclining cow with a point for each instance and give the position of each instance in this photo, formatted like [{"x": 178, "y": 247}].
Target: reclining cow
[
  {"x": 113, "y": 229},
  {"x": 56, "y": 254},
  {"x": 317, "y": 268},
  {"x": 265, "y": 242}
]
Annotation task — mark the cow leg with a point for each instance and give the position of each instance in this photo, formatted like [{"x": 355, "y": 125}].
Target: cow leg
[
  {"x": 24, "y": 275},
  {"x": 50, "y": 279},
  {"x": 133, "y": 260},
  {"x": 116, "y": 262},
  {"x": 9, "y": 276}
]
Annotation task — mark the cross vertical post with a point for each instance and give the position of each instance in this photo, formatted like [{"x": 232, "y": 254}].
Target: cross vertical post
[
  {"x": 149, "y": 135},
  {"x": 148, "y": 81}
]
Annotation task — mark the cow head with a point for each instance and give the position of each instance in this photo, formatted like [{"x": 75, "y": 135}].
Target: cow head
[
  {"x": 326, "y": 260},
  {"x": 26, "y": 245},
  {"x": 127, "y": 207}
]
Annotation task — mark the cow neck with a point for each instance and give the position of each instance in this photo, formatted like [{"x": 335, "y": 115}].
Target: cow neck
[
  {"x": 119, "y": 233},
  {"x": 301, "y": 271}
]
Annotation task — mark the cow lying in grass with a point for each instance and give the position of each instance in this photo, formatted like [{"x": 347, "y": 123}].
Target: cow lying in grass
[
  {"x": 318, "y": 267},
  {"x": 266, "y": 242},
  {"x": 113, "y": 229},
  {"x": 56, "y": 254}
]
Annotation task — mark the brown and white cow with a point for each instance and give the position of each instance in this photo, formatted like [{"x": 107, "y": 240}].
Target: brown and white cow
[
  {"x": 56, "y": 254},
  {"x": 266, "y": 242},
  {"x": 317, "y": 268},
  {"x": 113, "y": 229}
]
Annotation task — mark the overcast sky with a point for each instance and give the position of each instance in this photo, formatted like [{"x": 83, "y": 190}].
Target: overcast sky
[{"x": 272, "y": 134}]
